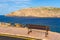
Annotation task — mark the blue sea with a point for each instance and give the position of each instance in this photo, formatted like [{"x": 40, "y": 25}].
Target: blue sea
[{"x": 53, "y": 23}]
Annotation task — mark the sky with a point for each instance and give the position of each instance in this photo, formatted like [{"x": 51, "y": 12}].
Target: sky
[{"x": 8, "y": 6}]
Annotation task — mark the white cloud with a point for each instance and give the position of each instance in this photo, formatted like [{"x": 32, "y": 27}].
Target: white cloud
[
  {"x": 3, "y": 5},
  {"x": 21, "y": 1},
  {"x": 15, "y": 0},
  {"x": 8, "y": 6}
]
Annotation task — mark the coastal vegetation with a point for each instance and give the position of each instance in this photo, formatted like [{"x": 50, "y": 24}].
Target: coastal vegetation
[
  {"x": 18, "y": 25},
  {"x": 10, "y": 24}
]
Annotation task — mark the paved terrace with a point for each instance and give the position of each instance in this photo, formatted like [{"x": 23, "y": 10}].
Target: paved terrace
[{"x": 39, "y": 34}]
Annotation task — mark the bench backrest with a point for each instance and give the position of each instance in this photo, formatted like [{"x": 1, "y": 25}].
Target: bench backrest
[{"x": 32, "y": 26}]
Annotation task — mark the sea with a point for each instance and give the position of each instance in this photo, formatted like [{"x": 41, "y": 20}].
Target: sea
[{"x": 53, "y": 23}]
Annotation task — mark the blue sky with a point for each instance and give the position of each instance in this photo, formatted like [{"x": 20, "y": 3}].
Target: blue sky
[{"x": 8, "y": 6}]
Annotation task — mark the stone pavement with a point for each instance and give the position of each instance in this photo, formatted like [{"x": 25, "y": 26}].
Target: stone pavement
[{"x": 39, "y": 34}]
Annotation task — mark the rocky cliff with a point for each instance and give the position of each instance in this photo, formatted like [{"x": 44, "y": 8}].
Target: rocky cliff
[{"x": 37, "y": 12}]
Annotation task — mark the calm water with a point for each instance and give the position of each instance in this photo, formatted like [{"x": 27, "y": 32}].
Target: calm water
[{"x": 53, "y": 23}]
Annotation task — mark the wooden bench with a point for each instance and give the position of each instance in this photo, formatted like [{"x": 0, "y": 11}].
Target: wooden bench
[{"x": 32, "y": 26}]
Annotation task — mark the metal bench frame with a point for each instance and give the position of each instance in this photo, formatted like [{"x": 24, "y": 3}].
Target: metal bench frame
[{"x": 32, "y": 26}]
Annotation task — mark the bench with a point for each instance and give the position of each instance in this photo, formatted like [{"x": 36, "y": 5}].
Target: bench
[{"x": 40, "y": 27}]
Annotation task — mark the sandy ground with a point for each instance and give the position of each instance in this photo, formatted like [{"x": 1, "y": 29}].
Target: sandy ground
[{"x": 39, "y": 34}]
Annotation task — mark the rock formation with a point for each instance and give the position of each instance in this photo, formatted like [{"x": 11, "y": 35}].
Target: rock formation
[{"x": 37, "y": 12}]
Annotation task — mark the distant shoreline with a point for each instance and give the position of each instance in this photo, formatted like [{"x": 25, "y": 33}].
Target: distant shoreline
[{"x": 29, "y": 16}]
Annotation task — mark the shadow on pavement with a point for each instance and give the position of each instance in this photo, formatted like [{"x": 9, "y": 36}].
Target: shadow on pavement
[{"x": 9, "y": 38}]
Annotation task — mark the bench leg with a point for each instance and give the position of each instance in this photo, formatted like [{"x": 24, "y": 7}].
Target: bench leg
[
  {"x": 46, "y": 34},
  {"x": 29, "y": 31}
]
